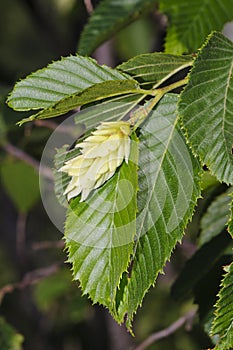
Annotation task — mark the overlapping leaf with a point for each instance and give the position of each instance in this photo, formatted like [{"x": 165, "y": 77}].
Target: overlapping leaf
[
  {"x": 99, "y": 234},
  {"x": 109, "y": 17},
  {"x": 168, "y": 190},
  {"x": 94, "y": 93},
  {"x": 207, "y": 109},
  {"x": 70, "y": 75},
  {"x": 223, "y": 323},
  {"x": 189, "y": 24},
  {"x": 116, "y": 108},
  {"x": 153, "y": 68},
  {"x": 215, "y": 219}
]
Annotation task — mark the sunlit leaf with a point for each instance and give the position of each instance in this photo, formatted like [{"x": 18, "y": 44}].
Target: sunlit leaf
[
  {"x": 94, "y": 93},
  {"x": 70, "y": 75},
  {"x": 99, "y": 234}
]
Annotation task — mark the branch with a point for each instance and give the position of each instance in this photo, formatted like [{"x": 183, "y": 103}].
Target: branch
[
  {"x": 89, "y": 6},
  {"x": 48, "y": 244},
  {"x": 30, "y": 278},
  {"x": 64, "y": 129},
  {"x": 21, "y": 235},
  {"x": 187, "y": 320},
  {"x": 18, "y": 153}
]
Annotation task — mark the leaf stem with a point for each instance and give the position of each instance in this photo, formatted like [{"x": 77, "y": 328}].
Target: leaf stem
[
  {"x": 187, "y": 319},
  {"x": 138, "y": 117}
]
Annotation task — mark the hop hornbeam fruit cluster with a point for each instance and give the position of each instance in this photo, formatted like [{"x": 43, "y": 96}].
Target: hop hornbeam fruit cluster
[{"x": 101, "y": 154}]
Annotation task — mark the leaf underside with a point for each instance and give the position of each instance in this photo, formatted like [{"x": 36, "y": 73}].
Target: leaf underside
[
  {"x": 207, "y": 109},
  {"x": 47, "y": 86},
  {"x": 94, "y": 93},
  {"x": 154, "y": 68}
]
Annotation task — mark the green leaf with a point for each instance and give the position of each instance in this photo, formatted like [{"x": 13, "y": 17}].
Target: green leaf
[
  {"x": 190, "y": 24},
  {"x": 206, "y": 107},
  {"x": 223, "y": 322},
  {"x": 230, "y": 223},
  {"x": 214, "y": 221},
  {"x": 155, "y": 68},
  {"x": 99, "y": 234},
  {"x": 21, "y": 183},
  {"x": 94, "y": 93},
  {"x": 9, "y": 338},
  {"x": 109, "y": 17},
  {"x": 70, "y": 75},
  {"x": 169, "y": 186}
]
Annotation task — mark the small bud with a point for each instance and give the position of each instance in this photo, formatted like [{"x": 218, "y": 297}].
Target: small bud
[{"x": 101, "y": 154}]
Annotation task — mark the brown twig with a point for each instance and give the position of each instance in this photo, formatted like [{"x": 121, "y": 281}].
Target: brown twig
[
  {"x": 48, "y": 245},
  {"x": 89, "y": 6},
  {"x": 30, "y": 278},
  {"x": 19, "y": 154},
  {"x": 21, "y": 234},
  {"x": 63, "y": 129},
  {"x": 187, "y": 320}
]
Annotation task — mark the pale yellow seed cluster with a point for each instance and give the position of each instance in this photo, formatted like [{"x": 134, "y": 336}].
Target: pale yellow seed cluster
[{"x": 101, "y": 154}]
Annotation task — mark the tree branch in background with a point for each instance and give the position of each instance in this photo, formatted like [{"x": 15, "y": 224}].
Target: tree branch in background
[
  {"x": 48, "y": 245},
  {"x": 89, "y": 6},
  {"x": 30, "y": 278},
  {"x": 21, "y": 235},
  {"x": 18, "y": 153},
  {"x": 185, "y": 320}
]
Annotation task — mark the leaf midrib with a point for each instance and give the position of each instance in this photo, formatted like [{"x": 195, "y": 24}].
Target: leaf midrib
[{"x": 145, "y": 209}]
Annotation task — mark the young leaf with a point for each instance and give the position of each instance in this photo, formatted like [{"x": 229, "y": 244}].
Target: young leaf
[
  {"x": 168, "y": 190},
  {"x": 155, "y": 68},
  {"x": 99, "y": 233},
  {"x": 109, "y": 17},
  {"x": 215, "y": 219},
  {"x": 189, "y": 25},
  {"x": 94, "y": 93},
  {"x": 70, "y": 75},
  {"x": 223, "y": 322},
  {"x": 206, "y": 106}
]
